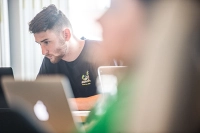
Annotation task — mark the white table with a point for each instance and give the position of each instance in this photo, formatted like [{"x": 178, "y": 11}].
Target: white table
[{"x": 80, "y": 116}]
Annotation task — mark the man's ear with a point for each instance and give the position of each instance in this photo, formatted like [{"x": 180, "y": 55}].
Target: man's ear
[{"x": 67, "y": 34}]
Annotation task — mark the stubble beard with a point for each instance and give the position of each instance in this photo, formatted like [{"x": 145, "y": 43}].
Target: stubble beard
[{"x": 56, "y": 59}]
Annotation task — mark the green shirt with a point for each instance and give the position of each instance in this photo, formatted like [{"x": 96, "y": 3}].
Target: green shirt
[{"x": 115, "y": 111}]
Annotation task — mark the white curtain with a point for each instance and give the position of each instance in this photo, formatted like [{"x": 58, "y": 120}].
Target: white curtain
[{"x": 4, "y": 35}]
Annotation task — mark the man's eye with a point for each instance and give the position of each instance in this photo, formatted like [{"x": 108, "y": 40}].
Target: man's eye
[{"x": 46, "y": 42}]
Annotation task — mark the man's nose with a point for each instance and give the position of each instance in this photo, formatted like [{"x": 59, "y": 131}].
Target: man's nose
[{"x": 44, "y": 50}]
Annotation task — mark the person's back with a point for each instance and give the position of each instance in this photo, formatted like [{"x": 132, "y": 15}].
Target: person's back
[{"x": 121, "y": 41}]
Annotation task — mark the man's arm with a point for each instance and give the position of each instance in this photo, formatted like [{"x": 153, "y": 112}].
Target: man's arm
[{"x": 85, "y": 103}]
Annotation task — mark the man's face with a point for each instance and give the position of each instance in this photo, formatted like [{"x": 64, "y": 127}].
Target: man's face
[
  {"x": 122, "y": 26},
  {"x": 52, "y": 44}
]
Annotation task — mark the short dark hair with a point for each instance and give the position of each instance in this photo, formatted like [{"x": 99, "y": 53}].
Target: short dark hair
[{"x": 49, "y": 18}]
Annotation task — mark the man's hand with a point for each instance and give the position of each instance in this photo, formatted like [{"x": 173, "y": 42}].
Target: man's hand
[{"x": 84, "y": 103}]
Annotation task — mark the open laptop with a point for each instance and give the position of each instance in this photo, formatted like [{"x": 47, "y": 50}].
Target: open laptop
[
  {"x": 44, "y": 101},
  {"x": 109, "y": 77},
  {"x": 3, "y": 72}
]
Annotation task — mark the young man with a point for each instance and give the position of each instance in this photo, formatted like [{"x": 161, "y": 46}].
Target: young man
[{"x": 66, "y": 54}]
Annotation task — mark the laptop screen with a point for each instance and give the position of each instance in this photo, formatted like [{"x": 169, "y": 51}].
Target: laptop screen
[{"x": 109, "y": 78}]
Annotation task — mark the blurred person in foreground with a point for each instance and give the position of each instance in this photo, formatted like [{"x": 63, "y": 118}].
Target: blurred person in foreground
[
  {"x": 153, "y": 104},
  {"x": 123, "y": 27},
  {"x": 66, "y": 54}
]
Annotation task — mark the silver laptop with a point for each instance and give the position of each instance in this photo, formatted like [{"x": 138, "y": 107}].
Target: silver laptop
[
  {"x": 109, "y": 77},
  {"x": 44, "y": 101}
]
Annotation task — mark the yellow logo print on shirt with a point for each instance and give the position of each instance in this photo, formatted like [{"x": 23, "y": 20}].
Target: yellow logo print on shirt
[{"x": 86, "y": 79}]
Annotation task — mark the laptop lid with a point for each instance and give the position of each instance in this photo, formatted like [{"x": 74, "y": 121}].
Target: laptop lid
[
  {"x": 44, "y": 100},
  {"x": 109, "y": 77},
  {"x": 3, "y": 72}
]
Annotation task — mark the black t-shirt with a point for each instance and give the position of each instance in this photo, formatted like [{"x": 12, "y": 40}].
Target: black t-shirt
[{"x": 82, "y": 72}]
